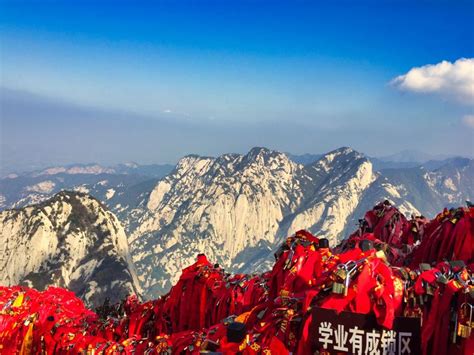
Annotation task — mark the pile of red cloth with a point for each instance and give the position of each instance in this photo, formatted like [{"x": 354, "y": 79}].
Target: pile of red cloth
[
  {"x": 205, "y": 294},
  {"x": 389, "y": 230},
  {"x": 449, "y": 236},
  {"x": 33, "y": 321},
  {"x": 390, "y": 267},
  {"x": 55, "y": 321}
]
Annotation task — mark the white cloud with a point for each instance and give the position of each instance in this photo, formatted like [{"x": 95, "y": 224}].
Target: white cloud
[
  {"x": 468, "y": 121},
  {"x": 453, "y": 81}
]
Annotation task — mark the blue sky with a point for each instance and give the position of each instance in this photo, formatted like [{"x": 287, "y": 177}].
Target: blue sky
[{"x": 224, "y": 76}]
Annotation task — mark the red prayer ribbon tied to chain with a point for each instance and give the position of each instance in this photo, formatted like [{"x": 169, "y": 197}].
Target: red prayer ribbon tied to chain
[{"x": 389, "y": 267}]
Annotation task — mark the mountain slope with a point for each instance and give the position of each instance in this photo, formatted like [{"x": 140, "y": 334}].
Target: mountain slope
[
  {"x": 236, "y": 208},
  {"x": 70, "y": 241}
]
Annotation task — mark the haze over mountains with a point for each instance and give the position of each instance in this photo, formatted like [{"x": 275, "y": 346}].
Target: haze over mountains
[{"x": 235, "y": 208}]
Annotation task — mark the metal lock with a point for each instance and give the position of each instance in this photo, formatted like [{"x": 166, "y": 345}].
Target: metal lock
[
  {"x": 405, "y": 274},
  {"x": 346, "y": 284},
  {"x": 289, "y": 258},
  {"x": 442, "y": 279},
  {"x": 464, "y": 331},
  {"x": 261, "y": 314},
  {"x": 381, "y": 255},
  {"x": 464, "y": 321},
  {"x": 429, "y": 289},
  {"x": 425, "y": 267},
  {"x": 351, "y": 271},
  {"x": 338, "y": 288},
  {"x": 457, "y": 265},
  {"x": 341, "y": 274}
]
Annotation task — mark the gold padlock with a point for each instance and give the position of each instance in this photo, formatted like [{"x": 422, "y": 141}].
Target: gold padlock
[
  {"x": 338, "y": 288},
  {"x": 464, "y": 331},
  {"x": 464, "y": 320},
  {"x": 340, "y": 274},
  {"x": 381, "y": 255}
]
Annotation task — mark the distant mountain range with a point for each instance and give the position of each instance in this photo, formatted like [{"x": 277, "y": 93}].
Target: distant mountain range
[
  {"x": 237, "y": 208},
  {"x": 413, "y": 156},
  {"x": 404, "y": 159},
  {"x": 130, "y": 168},
  {"x": 18, "y": 190}
]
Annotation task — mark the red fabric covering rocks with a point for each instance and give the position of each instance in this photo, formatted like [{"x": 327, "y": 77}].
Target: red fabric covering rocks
[
  {"x": 390, "y": 267},
  {"x": 450, "y": 236},
  {"x": 389, "y": 230}
]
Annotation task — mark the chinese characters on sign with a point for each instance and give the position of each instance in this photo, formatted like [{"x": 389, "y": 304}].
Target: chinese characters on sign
[{"x": 360, "y": 334}]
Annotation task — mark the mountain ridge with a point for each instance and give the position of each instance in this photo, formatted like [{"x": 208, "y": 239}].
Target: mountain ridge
[{"x": 237, "y": 207}]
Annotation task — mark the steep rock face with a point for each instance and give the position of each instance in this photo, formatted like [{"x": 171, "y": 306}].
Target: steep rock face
[
  {"x": 453, "y": 181},
  {"x": 219, "y": 206},
  {"x": 236, "y": 208},
  {"x": 70, "y": 241},
  {"x": 334, "y": 185}
]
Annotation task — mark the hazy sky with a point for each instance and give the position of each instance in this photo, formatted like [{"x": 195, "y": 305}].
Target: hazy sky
[{"x": 113, "y": 81}]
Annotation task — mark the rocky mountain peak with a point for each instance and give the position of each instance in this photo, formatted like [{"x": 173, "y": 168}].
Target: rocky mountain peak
[
  {"x": 240, "y": 206},
  {"x": 340, "y": 156},
  {"x": 260, "y": 154},
  {"x": 191, "y": 164},
  {"x": 70, "y": 240},
  {"x": 267, "y": 159}
]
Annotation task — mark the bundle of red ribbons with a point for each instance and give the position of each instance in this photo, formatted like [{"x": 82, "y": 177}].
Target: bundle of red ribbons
[{"x": 390, "y": 267}]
